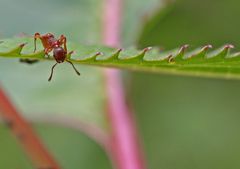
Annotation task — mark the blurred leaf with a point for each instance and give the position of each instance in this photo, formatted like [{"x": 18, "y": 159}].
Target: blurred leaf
[
  {"x": 194, "y": 22},
  {"x": 78, "y": 19},
  {"x": 187, "y": 122},
  {"x": 78, "y": 97},
  {"x": 71, "y": 149},
  {"x": 135, "y": 14}
]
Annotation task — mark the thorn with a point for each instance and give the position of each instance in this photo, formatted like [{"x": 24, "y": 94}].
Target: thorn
[
  {"x": 202, "y": 51},
  {"x": 117, "y": 53},
  {"x": 92, "y": 57},
  {"x": 148, "y": 48},
  {"x": 98, "y": 54},
  {"x": 70, "y": 53},
  {"x": 142, "y": 54},
  {"x": 183, "y": 48},
  {"x": 119, "y": 50},
  {"x": 170, "y": 59},
  {"x": 222, "y": 53},
  {"x": 145, "y": 50},
  {"x": 180, "y": 54},
  {"x": 22, "y": 45},
  {"x": 229, "y": 46},
  {"x": 206, "y": 47}
]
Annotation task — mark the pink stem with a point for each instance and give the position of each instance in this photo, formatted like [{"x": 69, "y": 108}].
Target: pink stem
[
  {"x": 126, "y": 152},
  {"x": 112, "y": 22}
]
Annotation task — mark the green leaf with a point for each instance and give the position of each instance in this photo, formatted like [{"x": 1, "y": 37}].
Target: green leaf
[{"x": 199, "y": 62}]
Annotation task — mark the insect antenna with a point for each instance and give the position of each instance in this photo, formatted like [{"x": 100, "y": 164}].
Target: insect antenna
[
  {"x": 74, "y": 67},
  {"x": 49, "y": 79}
]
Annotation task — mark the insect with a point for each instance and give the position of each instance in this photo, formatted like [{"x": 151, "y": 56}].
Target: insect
[{"x": 50, "y": 43}]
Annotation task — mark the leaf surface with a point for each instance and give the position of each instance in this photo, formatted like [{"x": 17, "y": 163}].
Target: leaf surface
[{"x": 198, "y": 62}]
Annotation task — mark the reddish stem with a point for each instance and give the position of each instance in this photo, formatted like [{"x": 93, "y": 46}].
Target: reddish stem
[
  {"x": 22, "y": 130},
  {"x": 126, "y": 152}
]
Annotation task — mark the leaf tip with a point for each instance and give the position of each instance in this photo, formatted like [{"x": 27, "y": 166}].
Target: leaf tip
[
  {"x": 229, "y": 46},
  {"x": 183, "y": 48},
  {"x": 170, "y": 58},
  {"x": 22, "y": 45},
  {"x": 145, "y": 50},
  {"x": 118, "y": 52},
  {"x": 179, "y": 54},
  {"x": 72, "y": 52},
  {"x": 207, "y": 47},
  {"x": 98, "y": 54}
]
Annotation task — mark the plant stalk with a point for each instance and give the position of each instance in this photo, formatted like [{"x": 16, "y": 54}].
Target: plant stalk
[
  {"x": 31, "y": 144},
  {"x": 126, "y": 152}
]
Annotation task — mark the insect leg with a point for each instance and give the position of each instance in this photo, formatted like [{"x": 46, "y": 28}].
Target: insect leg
[
  {"x": 63, "y": 40},
  {"x": 36, "y": 36},
  {"x": 74, "y": 67},
  {"x": 49, "y": 79},
  {"x": 47, "y": 50}
]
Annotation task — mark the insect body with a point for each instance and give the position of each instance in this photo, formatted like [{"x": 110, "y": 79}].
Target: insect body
[{"x": 50, "y": 43}]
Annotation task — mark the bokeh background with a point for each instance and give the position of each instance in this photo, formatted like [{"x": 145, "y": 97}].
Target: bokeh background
[{"x": 184, "y": 122}]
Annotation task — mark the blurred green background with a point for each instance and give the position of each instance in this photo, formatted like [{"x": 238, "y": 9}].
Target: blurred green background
[
  {"x": 184, "y": 122},
  {"x": 189, "y": 122}
]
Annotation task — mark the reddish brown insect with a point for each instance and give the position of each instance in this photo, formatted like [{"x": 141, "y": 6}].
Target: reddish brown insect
[{"x": 50, "y": 43}]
